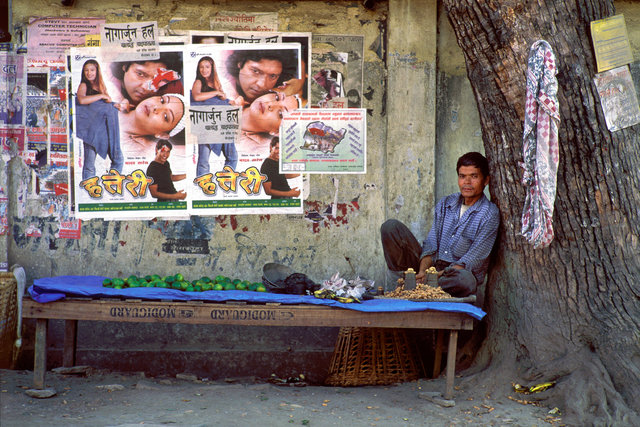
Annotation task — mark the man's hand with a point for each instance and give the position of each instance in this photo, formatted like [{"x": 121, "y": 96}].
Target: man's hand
[{"x": 425, "y": 263}]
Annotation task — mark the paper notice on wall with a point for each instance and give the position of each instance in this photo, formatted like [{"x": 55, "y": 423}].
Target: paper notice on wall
[
  {"x": 69, "y": 229},
  {"x": 611, "y": 42},
  {"x": 244, "y": 21},
  {"x": 618, "y": 98},
  {"x": 336, "y": 75},
  {"x": 324, "y": 141},
  {"x": 131, "y": 41},
  {"x": 37, "y": 117},
  {"x": 50, "y": 38},
  {"x": 12, "y": 88},
  {"x": 10, "y": 136}
]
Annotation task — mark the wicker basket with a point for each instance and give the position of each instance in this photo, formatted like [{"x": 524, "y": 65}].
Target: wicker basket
[
  {"x": 371, "y": 356},
  {"x": 8, "y": 318}
]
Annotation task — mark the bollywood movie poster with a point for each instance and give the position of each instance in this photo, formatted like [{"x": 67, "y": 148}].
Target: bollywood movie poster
[
  {"x": 324, "y": 141},
  {"x": 237, "y": 104},
  {"x": 130, "y": 121}
]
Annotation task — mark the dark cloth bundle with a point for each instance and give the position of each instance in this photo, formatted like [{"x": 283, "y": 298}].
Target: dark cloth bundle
[{"x": 295, "y": 284}]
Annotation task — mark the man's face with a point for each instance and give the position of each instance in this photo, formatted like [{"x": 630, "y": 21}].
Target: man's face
[
  {"x": 158, "y": 115},
  {"x": 257, "y": 78},
  {"x": 471, "y": 182},
  {"x": 136, "y": 78},
  {"x": 162, "y": 154},
  {"x": 274, "y": 154}
]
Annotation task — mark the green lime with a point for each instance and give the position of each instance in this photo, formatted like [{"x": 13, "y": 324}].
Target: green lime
[
  {"x": 179, "y": 277},
  {"x": 162, "y": 284},
  {"x": 189, "y": 289},
  {"x": 207, "y": 286},
  {"x": 219, "y": 278},
  {"x": 184, "y": 285},
  {"x": 151, "y": 284},
  {"x": 117, "y": 287},
  {"x": 261, "y": 288},
  {"x": 169, "y": 279},
  {"x": 117, "y": 282},
  {"x": 155, "y": 277},
  {"x": 206, "y": 279},
  {"x": 175, "y": 285},
  {"x": 229, "y": 287},
  {"x": 148, "y": 278},
  {"x": 218, "y": 287},
  {"x": 241, "y": 286},
  {"x": 236, "y": 281},
  {"x": 107, "y": 283}
]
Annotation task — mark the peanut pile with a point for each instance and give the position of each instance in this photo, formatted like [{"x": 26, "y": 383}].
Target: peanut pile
[{"x": 420, "y": 292}]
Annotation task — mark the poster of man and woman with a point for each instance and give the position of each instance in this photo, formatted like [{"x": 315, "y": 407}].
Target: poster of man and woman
[{"x": 193, "y": 132}]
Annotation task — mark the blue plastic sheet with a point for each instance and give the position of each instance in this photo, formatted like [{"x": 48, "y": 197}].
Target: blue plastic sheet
[{"x": 56, "y": 288}]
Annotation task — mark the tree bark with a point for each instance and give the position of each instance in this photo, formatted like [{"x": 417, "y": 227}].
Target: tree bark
[{"x": 569, "y": 312}]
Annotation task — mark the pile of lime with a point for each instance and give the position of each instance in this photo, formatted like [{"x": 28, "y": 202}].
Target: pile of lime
[{"x": 178, "y": 282}]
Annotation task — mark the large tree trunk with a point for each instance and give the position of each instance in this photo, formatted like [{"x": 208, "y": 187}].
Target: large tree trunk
[{"x": 570, "y": 312}]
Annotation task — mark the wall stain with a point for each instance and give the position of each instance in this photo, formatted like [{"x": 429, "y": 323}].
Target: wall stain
[
  {"x": 194, "y": 228},
  {"x": 222, "y": 221},
  {"x": 343, "y": 210}
]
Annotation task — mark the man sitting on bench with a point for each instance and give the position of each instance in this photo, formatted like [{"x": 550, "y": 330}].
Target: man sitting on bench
[{"x": 464, "y": 230}]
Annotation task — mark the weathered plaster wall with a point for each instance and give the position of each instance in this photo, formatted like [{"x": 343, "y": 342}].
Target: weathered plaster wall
[
  {"x": 458, "y": 124},
  {"x": 232, "y": 245}
]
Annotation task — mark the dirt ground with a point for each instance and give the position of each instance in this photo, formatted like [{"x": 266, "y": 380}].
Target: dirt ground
[{"x": 104, "y": 398}]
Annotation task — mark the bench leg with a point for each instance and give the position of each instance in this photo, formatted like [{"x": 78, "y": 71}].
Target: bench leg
[
  {"x": 70, "y": 342},
  {"x": 437, "y": 359},
  {"x": 40, "y": 354},
  {"x": 451, "y": 363}
]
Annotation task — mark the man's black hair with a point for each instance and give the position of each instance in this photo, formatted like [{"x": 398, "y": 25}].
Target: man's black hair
[
  {"x": 173, "y": 61},
  {"x": 476, "y": 159},
  {"x": 275, "y": 141},
  {"x": 287, "y": 57},
  {"x": 162, "y": 142}
]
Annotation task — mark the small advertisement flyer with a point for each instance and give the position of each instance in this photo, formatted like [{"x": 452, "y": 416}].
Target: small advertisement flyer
[
  {"x": 611, "y": 42},
  {"x": 324, "y": 141},
  {"x": 50, "y": 38},
  {"x": 618, "y": 98}
]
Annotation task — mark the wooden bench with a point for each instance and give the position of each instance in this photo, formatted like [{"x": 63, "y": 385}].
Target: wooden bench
[{"x": 271, "y": 314}]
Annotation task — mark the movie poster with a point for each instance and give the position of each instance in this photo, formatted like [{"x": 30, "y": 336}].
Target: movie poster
[
  {"x": 238, "y": 96},
  {"x": 130, "y": 121}
]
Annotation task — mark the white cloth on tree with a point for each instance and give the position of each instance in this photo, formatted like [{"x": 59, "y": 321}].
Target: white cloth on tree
[{"x": 540, "y": 145}]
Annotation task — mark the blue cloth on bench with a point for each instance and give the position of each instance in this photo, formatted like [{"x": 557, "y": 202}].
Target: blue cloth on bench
[{"x": 50, "y": 289}]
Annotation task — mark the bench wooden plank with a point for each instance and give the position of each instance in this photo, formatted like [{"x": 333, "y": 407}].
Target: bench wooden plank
[{"x": 249, "y": 314}]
